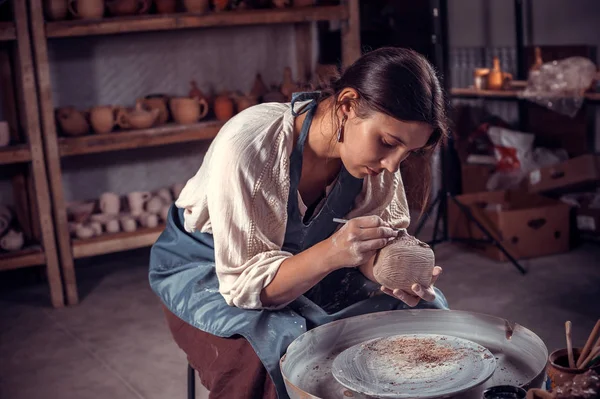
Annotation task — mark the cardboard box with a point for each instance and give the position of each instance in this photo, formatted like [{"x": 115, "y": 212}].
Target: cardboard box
[
  {"x": 527, "y": 225},
  {"x": 475, "y": 177},
  {"x": 574, "y": 174}
]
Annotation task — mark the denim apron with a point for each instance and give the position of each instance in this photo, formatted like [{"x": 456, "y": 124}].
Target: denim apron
[{"x": 182, "y": 273}]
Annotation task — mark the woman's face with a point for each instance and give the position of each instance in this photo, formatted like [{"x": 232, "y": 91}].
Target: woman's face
[{"x": 379, "y": 142}]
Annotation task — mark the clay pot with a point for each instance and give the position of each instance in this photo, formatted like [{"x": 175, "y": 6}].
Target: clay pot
[
  {"x": 242, "y": 101},
  {"x": 137, "y": 118},
  {"x": 224, "y": 107},
  {"x": 158, "y": 102},
  {"x": 103, "y": 119},
  {"x": 12, "y": 241},
  {"x": 166, "y": 6},
  {"x": 220, "y": 5},
  {"x": 128, "y": 224},
  {"x": 259, "y": 88},
  {"x": 86, "y": 9},
  {"x": 200, "y": 6},
  {"x": 72, "y": 122},
  {"x": 497, "y": 79},
  {"x": 56, "y": 10},
  {"x": 110, "y": 203},
  {"x": 187, "y": 110},
  {"x": 281, "y": 3},
  {"x": 288, "y": 87},
  {"x": 127, "y": 7},
  {"x": 154, "y": 205},
  {"x": 558, "y": 369}
]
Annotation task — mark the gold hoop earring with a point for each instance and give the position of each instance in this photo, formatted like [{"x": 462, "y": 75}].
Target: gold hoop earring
[{"x": 340, "y": 129}]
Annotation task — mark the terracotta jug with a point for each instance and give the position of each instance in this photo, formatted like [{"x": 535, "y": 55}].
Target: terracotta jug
[
  {"x": 220, "y": 5},
  {"x": 259, "y": 88},
  {"x": 242, "y": 101},
  {"x": 103, "y": 119},
  {"x": 127, "y": 7},
  {"x": 86, "y": 9},
  {"x": 159, "y": 102},
  {"x": 137, "y": 118},
  {"x": 166, "y": 6},
  {"x": 224, "y": 109},
  {"x": 72, "y": 122},
  {"x": 496, "y": 78},
  {"x": 187, "y": 110},
  {"x": 56, "y": 10},
  {"x": 196, "y": 5}
]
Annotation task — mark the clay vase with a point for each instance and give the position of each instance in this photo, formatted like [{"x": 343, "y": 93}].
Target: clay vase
[
  {"x": 103, "y": 119},
  {"x": 199, "y": 6},
  {"x": 288, "y": 87},
  {"x": 12, "y": 241},
  {"x": 187, "y": 110},
  {"x": 220, "y": 5},
  {"x": 72, "y": 122},
  {"x": 127, "y": 7},
  {"x": 496, "y": 78},
  {"x": 223, "y": 106},
  {"x": 56, "y": 10},
  {"x": 86, "y": 9},
  {"x": 259, "y": 88},
  {"x": 403, "y": 262},
  {"x": 158, "y": 102},
  {"x": 243, "y": 102},
  {"x": 137, "y": 118},
  {"x": 166, "y": 6}
]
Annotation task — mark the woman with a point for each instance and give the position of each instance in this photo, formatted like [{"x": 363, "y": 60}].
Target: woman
[{"x": 251, "y": 257}]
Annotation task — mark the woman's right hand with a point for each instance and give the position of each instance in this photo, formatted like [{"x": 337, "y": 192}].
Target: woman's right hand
[{"x": 359, "y": 239}]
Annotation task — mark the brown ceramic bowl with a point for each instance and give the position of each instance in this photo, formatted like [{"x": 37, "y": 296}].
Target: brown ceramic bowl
[{"x": 558, "y": 369}]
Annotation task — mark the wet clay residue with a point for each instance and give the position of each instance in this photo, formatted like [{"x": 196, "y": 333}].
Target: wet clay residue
[
  {"x": 417, "y": 350},
  {"x": 583, "y": 386}
]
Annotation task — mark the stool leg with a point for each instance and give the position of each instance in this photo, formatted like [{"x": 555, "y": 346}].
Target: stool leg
[{"x": 191, "y": 383}]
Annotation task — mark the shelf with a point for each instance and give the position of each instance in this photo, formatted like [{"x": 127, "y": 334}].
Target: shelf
[
  {"x": 503, "y": 94},
  {"x": 27, "y": 257},
  {"x": 127, "y": 139},
  {"x": 146, "y": 23},
  {"x": 15, "y": 154},
  {"x": 7, "y": 31},
  {"x": 117, "y": 242}
]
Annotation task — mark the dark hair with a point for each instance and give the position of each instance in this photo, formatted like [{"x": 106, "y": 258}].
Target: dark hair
[{"x": 401, "y": 83}]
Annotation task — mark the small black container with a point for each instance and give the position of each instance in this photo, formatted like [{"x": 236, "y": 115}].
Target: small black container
[{"x": 504, "y": 392}]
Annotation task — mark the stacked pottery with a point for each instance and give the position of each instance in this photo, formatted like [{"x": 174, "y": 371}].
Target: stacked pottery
[{"x": 10, "y": 238}]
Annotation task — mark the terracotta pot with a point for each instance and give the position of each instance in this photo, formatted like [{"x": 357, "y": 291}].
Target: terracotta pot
[
  {"x": 86, "y": 9},
  {"x": 127, "y": 7},
  {"x": 497, "y": 80},
  {"x": 224, "y": 108},
  {"x": 158, "y": 102},
  {"x": 137, "y": 118},
  {"x": 242, "y": 102},
  {"x": 72, "y": 122},
  {"x": 166, "y": 6},
  {"x": 281, "y": 3},
  {"x": 103, "y": 119},
  {"x": 56, "y": 10},
  {"x": 220, "y": 5},
  {"x": 187, "y": 110},
  {"x": 200, "y": 6},
  {"x": 288, "y": 87},
  {"x": 558, "y": 369}
]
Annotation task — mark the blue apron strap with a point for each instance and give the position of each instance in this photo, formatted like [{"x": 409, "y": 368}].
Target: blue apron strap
[{"x": 296, "y": 157}]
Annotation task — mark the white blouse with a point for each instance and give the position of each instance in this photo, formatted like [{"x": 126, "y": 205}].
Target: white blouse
[{"x": 240, "y": 195}]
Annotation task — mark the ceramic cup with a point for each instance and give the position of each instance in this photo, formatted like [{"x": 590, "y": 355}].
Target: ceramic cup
[
  {"x": 148, "y": 220},
  {"x": 4, "y": 134},
  {"x": 136, "y": 201},
  {"x": 165, "y": 195},
  {"x": 97, "y": 227},
  {"x": 110, "y": 203},
  {"x": 154, "y": 205},
  {"x": 83, "y": 231},
  {"x": 113, "y": 226},
  {"x": 86, "y": 9},
  {"x": 128, "y": 224}
]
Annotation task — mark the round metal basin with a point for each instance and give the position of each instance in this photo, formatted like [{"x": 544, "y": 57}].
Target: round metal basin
[{"x": 306, "y": 366}]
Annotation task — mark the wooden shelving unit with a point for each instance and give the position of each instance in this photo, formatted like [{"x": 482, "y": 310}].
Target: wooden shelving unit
[
  {"x": 25, "y": 156},
  {"x": 503, "y": 94},
  {"x": 58, "y": 147}
]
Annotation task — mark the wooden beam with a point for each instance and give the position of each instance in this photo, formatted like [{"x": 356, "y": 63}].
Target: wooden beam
[
  {"x": 351, "y": 47},
  {"x": 304, "y": 49},
  {"x": 31, "y": 125},
  {"x": 109, "y": 243},
  {"x": 15, "y": 154},
  {"x": 7, "y": 31},
  {"x": 145, "y": 23},
  {"x": 156, "y": 136}
]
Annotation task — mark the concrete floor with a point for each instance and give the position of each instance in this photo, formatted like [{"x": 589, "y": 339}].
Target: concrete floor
[{"x": 115, "y": 344}]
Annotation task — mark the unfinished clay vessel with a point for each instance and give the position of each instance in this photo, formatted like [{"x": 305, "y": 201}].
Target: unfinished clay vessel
[
  {"x": 158, "y": 102},
  {"x": 220, "y": 5},
  {"x": 187, "y": 110},
  {"x": 137, "y": 118},
  {"x": 403, "y": 262},
  {"x": 166, "y": 6},
  {"x": 86, "y": 9},
  {"x": 103, "y": 119},
  {"x": 243, "y": 101},
  {"x": 259, "y": 88},
  {"x": 224, "y": 106},
  {"x": 72, "y": 122},
  {"x": 200, "y": 6},
  {"x": 56, "y": 10}
]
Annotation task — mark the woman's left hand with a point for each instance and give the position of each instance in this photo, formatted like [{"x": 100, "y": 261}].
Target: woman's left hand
[{"x": 419, "y": 292}]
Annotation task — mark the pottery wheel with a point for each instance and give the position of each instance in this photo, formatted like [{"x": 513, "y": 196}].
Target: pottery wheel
[{"x": 413, "y": 366}]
